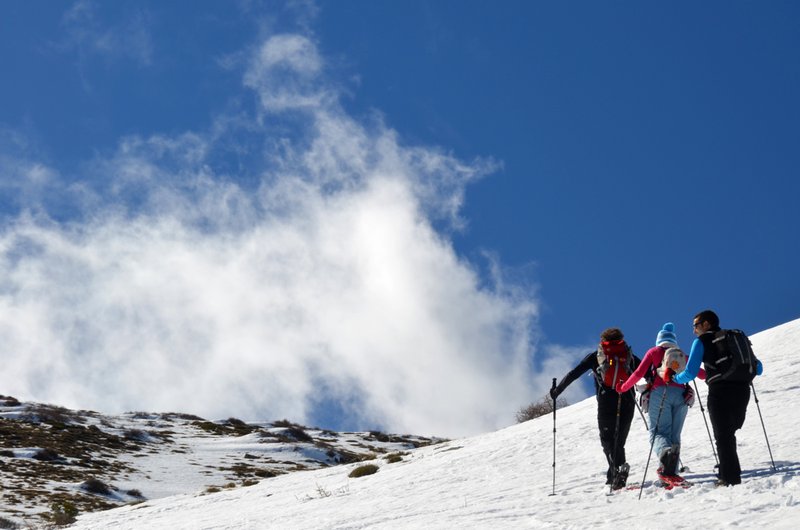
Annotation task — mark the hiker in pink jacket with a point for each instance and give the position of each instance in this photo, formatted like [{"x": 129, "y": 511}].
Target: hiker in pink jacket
[{"x": 669, "y": 401}]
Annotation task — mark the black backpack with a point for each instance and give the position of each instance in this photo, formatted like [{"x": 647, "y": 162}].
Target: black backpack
[{"x": 732, "y": 358}]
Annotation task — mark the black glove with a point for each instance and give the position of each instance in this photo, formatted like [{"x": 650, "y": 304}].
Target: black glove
[
  {"x": 554, "y": 393},
  {"x": 688, "y": 396}
]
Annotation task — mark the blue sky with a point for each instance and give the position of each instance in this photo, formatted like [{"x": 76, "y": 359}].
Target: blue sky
[
  {"x": 448, "y": 194},
  {"x": 638, "y": 143}
]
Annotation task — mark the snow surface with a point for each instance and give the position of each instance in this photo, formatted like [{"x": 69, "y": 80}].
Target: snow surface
[
  {"x": 504, "y": 479},
  {"x": 141, "y": 456}
]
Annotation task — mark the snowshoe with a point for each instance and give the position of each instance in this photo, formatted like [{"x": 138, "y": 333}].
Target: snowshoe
[{"x": 669, "y": 482}]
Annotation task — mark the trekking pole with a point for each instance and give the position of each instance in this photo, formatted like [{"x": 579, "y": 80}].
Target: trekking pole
[
  {"x": 680, "y": 462},
  {"x": 703, "y": 412},
  {"x": 552, "y": 391},
  {"x": 616, "y": 438},
  {"x": 641, "y": 413},
  {"x": 653, "y": 442},
  {"x": 755, "y": 396}
]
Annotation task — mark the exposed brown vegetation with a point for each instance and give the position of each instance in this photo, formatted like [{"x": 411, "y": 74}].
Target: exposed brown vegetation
[{"x": 540, "y": 408}]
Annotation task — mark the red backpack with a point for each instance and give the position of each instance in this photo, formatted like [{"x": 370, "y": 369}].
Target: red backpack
[{"x": 615, "y": 362}]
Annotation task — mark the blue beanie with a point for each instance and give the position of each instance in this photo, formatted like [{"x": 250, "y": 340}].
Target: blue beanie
[{"x": 667, "y": 334}]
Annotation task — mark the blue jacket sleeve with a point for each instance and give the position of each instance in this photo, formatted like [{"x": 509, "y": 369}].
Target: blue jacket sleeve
[
  {"x": 759, "y": 368},
  {"x": 693, "y": 364}
]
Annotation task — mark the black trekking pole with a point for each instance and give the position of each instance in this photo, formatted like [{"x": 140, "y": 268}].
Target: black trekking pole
[
  {"x": 616, "y": 438},
  {"x": 703, "y": 412},
  {"x": 552, "y": 391},
  {"x": 755, "y": 396},
  {"x": 641, "y": 413},
  {"x": 653, "y": 442}
]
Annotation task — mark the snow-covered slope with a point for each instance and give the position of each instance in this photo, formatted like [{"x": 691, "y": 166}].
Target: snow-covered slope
[
  {"x": 85, "y": 461},
  {"x": 504, "y": 479}
]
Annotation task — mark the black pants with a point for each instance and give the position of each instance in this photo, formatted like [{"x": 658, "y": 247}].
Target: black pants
[
  {"x": 607, "y": 423},
  {"x": 727, "y": 407}
]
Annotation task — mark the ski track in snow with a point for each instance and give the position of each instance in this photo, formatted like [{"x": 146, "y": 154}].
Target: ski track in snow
[{"x": 504, "y": 479}]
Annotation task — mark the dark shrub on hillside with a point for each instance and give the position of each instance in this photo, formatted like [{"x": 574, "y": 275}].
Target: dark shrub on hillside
[
  {"x": 345, "y": 457},
  {"x": 211, "y": 427},
  {"x": 181, "y": 416},
  {"x": 136, "y": 435},
  {"x": 266, "y": 473},
  {"x": 57, "y": 417},
  {"x": 47, "y": 455},
  {"x": 64, "y": 513},
  {"x": 363, "y": 471},
  {"x": 299, "y": 434},
  {"x": 94, "y": 485},
  {"x": 8, "y": 401},
  {"x": 239, "y": 427},
  {"x": 381, "y": 437},
  {"x": 540, "y": 408}
]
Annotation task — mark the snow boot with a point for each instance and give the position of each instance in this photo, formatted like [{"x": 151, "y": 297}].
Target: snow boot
[
  {"x": 621, "y": 477},
  {"x": 669, "y": 460}
]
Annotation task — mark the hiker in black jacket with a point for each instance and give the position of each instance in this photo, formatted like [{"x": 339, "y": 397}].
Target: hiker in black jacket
[
  {"x": 727, "y": 399},
  {"x": 614, "y": 411}
]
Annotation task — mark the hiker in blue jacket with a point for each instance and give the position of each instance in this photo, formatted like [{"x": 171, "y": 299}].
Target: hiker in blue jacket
[{"x": 727, "y": 400}]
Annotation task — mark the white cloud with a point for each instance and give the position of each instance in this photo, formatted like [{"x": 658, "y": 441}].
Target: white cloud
[
  {"x": 285, "y": 72},
  {"x": 130, "y": 38},
  {"x": 23, "y": 178},
  {"x": 182, "y": 289}
]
